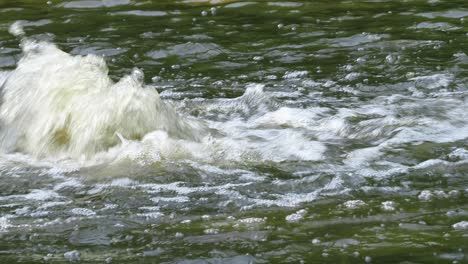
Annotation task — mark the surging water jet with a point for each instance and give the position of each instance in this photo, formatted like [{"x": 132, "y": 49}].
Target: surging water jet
[{"x": 57, "y": 104}]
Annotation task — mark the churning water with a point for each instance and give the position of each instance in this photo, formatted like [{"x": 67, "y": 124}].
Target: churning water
[{"x": 234, "y": 132}]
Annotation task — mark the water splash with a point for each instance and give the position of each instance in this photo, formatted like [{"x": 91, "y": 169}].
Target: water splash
[{"x": 56, "y": 104}]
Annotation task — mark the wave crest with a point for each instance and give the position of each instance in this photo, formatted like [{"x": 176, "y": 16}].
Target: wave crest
[{"x": 56, "y": 104}]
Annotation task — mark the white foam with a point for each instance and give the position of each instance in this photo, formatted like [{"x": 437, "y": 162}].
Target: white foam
[
  {"x": 354, "y": 204},
  {"x": 463, "y": 225},
  {"x": 295, "y": 74},
  {"x": 16, "y": 29},
  {"x": 122, "y": 182},
  {"x": 425, "y": 195},
  {"x": 82, "y": 211},
  {"x": 388, "y": 206},
  {"x": 73, "y": 255},
  {"x": 358, "y": 157},
  {"x": 292, "y": 117},
  {"x": 151, "y": 215},
  {"x": 297, "y": 216},
  {"x": 459, "y": 153},
  {"x": 38, "y": 195},
  {"x": 71, "y": 183},
  {"x": 4, "y": 223},
  {"x": 178, "y": 199},
  {"x": 433, "y": 81},
  {"x": 211, "y": 231},
  {"x": 252, "y": 220},
  {"x": 3, "y": 76},
  {"x": 63, "y": 105}
]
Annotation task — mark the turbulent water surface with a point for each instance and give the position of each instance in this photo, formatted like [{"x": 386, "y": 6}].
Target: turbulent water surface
[{"x": 234, "y": 131}]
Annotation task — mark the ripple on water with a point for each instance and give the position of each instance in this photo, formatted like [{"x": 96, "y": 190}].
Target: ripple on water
[
  {"x": 191, "y": 50},
  {"x": 285, "y": 4},
  {"x": 95, "y": 3},
  {"x": 443, "y": 26},
  {"x": 239, "y": 4},
  {"x": 139, "y": 13},
  {"x": 343, "y": 135},
  {"x": 447, "y": 14}
]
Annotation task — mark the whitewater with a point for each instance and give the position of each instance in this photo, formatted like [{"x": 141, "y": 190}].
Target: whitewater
[{"x": 233, "y": 132}]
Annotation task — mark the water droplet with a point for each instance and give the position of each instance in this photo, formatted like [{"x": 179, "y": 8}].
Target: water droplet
[
  {"x": 213, "y": 11},
  {"x": 204, "y": 13},
  {"x": 390, "y": 59}
]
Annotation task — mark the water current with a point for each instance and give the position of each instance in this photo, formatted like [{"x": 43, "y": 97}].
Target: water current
[{"x": 234, "y": 132}]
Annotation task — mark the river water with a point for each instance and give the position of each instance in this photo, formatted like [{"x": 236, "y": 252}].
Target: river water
[{"x": 234, "y": 132}]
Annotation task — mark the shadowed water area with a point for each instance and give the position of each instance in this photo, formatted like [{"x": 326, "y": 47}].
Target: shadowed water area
[{"x": 234, "y": 131}]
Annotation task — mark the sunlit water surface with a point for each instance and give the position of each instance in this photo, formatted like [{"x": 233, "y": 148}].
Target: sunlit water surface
[{"x": 285, "y": 132}]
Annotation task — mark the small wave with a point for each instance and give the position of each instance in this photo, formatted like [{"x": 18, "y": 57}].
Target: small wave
[{"x": 60, "y": 106}]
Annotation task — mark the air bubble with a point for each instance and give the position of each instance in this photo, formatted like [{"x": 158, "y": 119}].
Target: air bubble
[{"x": 213, "y": 11}]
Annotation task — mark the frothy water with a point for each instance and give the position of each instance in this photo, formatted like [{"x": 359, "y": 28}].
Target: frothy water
[
  {"x": 285, "y": 138},
  {"x": 58, "y": 104},
  {"x": 64, "y": 106}
]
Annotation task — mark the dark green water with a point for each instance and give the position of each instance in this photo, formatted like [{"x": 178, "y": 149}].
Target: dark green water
[{"x": 354, "y": 151}]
